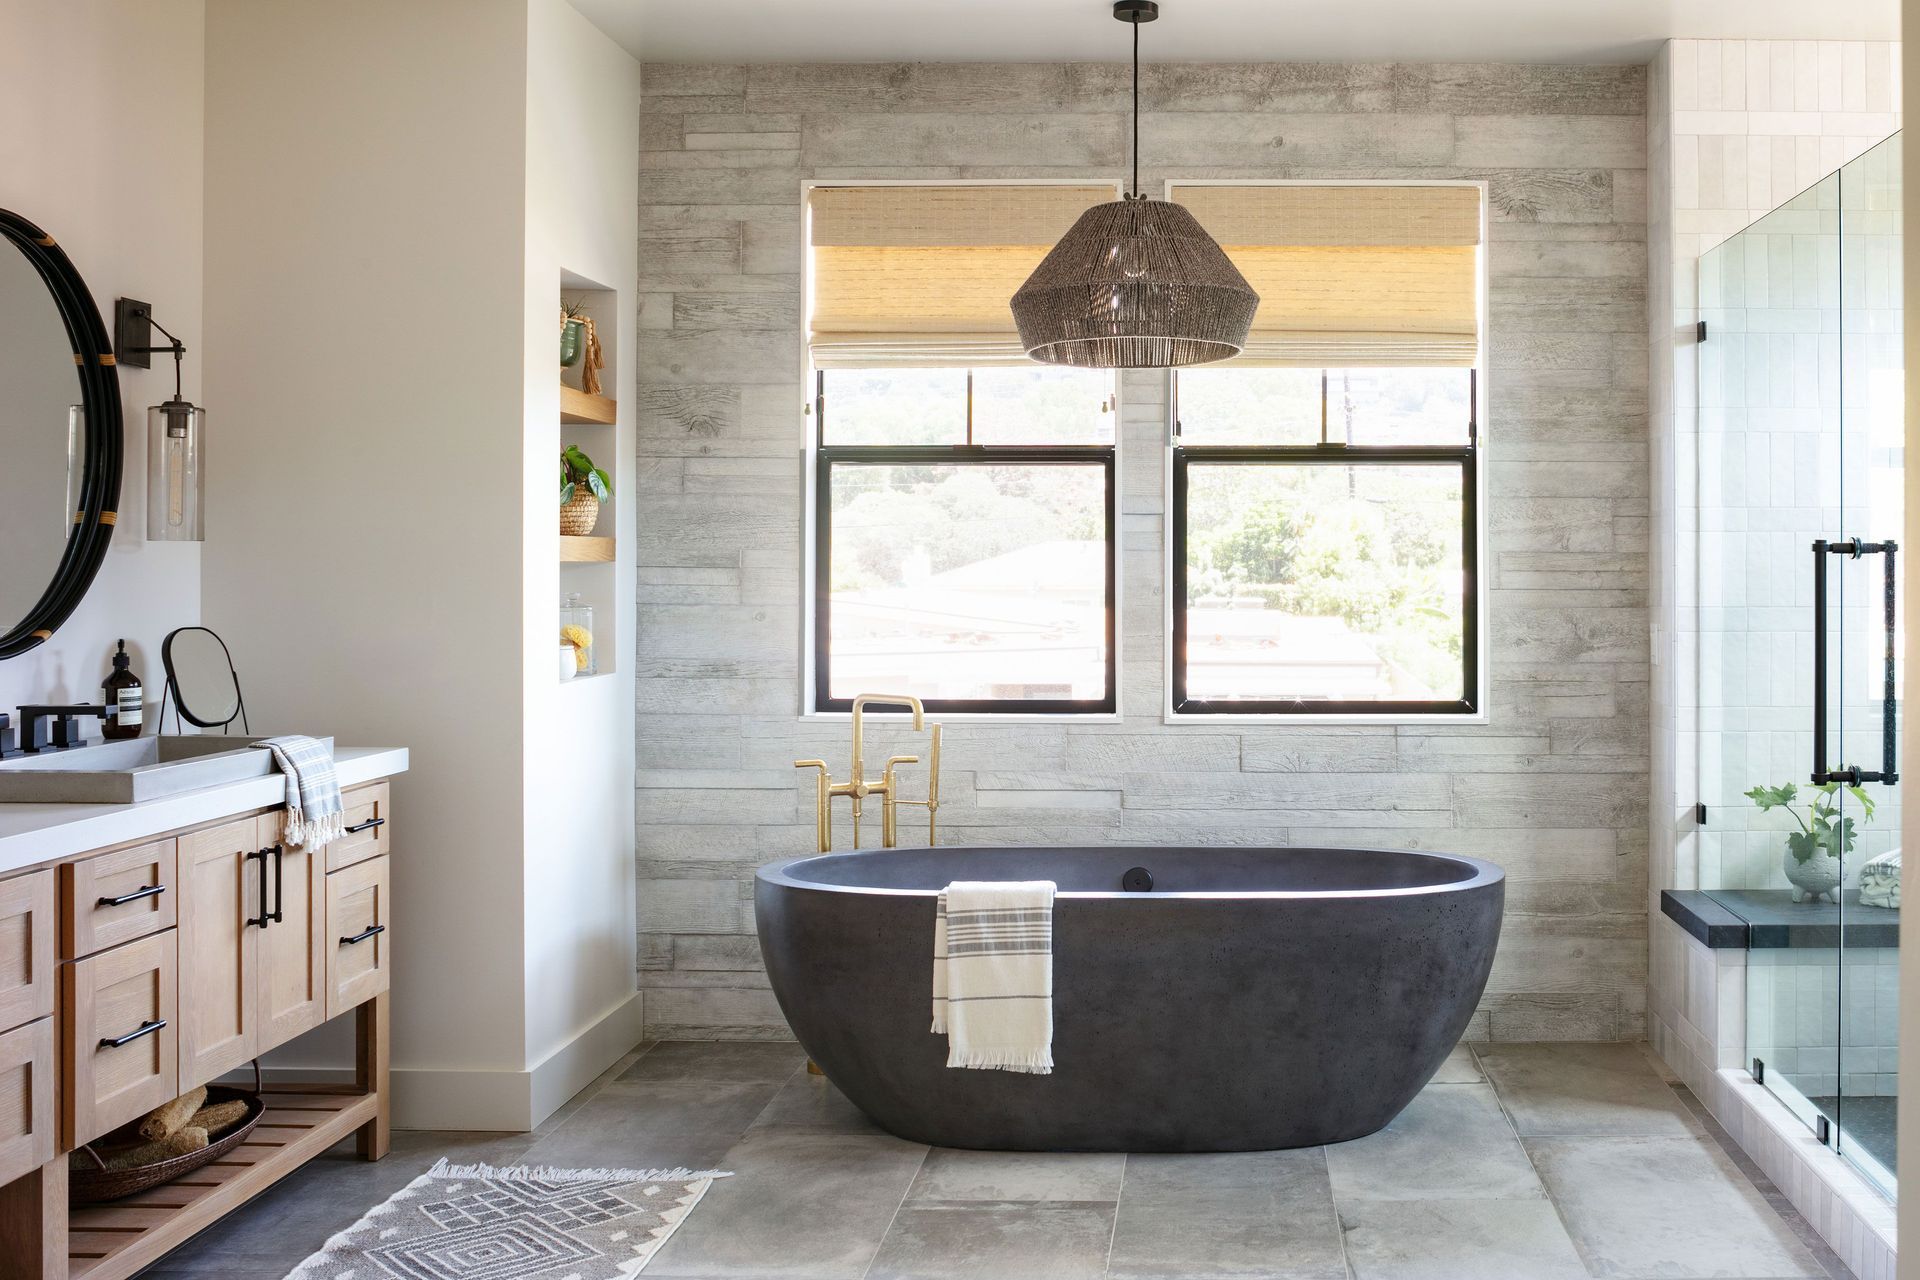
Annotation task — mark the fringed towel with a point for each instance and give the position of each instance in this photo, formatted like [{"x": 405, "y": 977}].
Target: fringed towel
[
  {"x": 315, "y": 815},
  {"x": 1880, "y": 881},
  {"x": 993, "y": 974}
]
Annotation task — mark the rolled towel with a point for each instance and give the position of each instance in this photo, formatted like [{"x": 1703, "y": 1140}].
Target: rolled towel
[
  {"x": 165, "y": 1121},
  {"x": 1880, "y": 881},
  {"x": 993, "y": 975},
  {"x": 220, "y": 1116}
]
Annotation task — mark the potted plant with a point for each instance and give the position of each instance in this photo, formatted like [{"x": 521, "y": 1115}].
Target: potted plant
[
  {"x": 583, "y": 487},
  {"x": 1814, "y": 852}
]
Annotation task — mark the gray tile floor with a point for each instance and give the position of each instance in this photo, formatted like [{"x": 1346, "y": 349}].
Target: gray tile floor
[{"x": 1519, "y": 1162}]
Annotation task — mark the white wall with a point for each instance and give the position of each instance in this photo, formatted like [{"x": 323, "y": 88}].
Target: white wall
[
  {"x": 583, "y": 122},
  {"x": 103, "y": 150},
  {"x": 365, "y": 227}
]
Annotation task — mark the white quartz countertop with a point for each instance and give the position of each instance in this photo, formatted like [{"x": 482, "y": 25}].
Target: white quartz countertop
[{"x": 34, "y": 833}]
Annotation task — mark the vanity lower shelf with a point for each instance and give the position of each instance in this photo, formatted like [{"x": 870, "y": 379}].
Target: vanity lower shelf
[{"x": 113, "y": 1241}]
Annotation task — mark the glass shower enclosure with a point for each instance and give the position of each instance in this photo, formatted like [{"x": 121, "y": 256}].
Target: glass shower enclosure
[{"x": 1800, "y": 439}]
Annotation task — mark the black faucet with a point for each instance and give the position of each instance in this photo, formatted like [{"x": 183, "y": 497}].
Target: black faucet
[{"x": 67, "y": 732}]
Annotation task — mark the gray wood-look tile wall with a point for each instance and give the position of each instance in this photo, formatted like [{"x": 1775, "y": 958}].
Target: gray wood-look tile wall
[{"x": 1554, "y": 788}]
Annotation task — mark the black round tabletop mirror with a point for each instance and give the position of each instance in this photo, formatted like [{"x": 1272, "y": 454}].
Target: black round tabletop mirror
[{"x": 60, "y": 437}]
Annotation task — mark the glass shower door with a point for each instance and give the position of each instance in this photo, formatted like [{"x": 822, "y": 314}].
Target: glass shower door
[{"x": 1868, "y": 597}]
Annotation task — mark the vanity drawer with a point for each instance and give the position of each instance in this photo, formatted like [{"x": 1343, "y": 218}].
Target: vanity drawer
[
  {"x": 26, "y": 948},
  {"x": 368, "y": 831},
  {"x": 117, "y": 897},
  {"x": 357, "y": 937},
  {"x": 26, "y": 1099},
  {"x": 126, "y": 995}
]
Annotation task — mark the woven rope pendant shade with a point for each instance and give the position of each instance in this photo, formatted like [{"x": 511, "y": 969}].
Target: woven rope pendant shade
[{"x": 1136, "y": 284}]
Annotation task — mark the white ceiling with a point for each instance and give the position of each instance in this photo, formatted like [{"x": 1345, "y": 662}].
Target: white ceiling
[{"x": 1214, "y": 30}]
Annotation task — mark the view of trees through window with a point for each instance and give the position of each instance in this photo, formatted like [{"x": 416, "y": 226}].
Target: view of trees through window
[
  {"x": 977, "y": 575},
  {"x": 1310, "y": 578}
]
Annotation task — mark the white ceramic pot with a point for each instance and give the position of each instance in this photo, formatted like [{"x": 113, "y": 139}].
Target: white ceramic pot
[
  {"x": 568, "y": 662},
  {"x": 1818, "y": 877}
]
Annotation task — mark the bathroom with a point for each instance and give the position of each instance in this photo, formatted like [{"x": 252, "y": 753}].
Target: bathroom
[{"x": 1381, "y": 696}]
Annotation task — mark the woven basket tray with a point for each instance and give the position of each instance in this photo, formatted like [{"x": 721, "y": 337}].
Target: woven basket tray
[{"x": 95, "y": 1186}]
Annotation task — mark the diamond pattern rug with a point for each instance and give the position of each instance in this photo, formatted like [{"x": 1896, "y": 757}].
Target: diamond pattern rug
[{"x": 476, "y": 1222}]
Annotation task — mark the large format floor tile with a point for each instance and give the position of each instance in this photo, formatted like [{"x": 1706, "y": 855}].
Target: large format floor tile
[
  {"x": 1665, "y": 1207},
  {"x": 996, "y": 1242},
  {"x": 807, "y": 1101},
  {"x": 1017, "y": 1175},
  {"x": 655, "y": 1126},
  {"x": 1564, "y": 1090},
  {"x": 1451, "y": 1143},
  {"x": 1262, "y": 1213},
  {"x": 714, "y": 1062},
  {"x": 1458, "y": 1240},
  {"x": 800, "y": 1204}
]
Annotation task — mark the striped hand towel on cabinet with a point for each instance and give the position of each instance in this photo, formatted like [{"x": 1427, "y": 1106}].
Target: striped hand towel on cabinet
[{"x": 993, "y": 974}]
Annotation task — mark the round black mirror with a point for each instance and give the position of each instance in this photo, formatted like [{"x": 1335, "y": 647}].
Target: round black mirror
[
  {"x": 200, "y": 675},
  {"x": 60, "y": 437}
]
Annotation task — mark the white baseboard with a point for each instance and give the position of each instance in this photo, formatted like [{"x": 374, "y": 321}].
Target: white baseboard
[{"x": 515, "y": 1101}]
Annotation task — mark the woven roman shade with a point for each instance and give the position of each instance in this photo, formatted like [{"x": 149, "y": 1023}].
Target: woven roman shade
[
  {"x": 919, "y": 277},
  {"x": 1352, "y": 276}
]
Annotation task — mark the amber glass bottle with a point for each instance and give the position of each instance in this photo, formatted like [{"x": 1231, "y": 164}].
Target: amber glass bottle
[{"x": 126, "y": 705}]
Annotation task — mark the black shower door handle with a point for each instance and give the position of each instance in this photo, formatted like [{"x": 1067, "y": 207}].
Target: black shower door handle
[{"x": 1852, "y": 775}]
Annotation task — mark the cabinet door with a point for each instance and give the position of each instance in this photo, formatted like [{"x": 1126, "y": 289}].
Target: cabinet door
[
  {"x": 26, "y": 1099},
  {"x": 357, "y": 938},
  {"x": 293, "y": 982},
  {"x": 26, "y": 948},
  {"x": 116, "y": 897},
  {"x": 220, "y": 908},
  {"x": 122, "y": 1058},
  {"x": 369, "y": 827}
]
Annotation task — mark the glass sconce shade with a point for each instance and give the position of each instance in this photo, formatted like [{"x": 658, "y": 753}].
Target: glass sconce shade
[{"x": 176, "y": 472}]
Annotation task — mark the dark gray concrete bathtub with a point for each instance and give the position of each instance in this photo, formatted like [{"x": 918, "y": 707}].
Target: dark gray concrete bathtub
[{"x": 1254, "y": 999}]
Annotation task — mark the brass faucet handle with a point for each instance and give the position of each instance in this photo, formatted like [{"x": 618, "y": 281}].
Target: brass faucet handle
[
  {"x": 823, "y": 804},
  {"x": 889, "y": 829},
  {"x": 821, "y": 765}
]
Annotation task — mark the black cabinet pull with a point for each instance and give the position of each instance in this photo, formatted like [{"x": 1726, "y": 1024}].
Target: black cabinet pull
[
  {"x": 279, "y": 885},
  {"x": 368, "y": 932},
  {"x": 1852, "y": 775},
  {"x": 151, "y": 891},
  {"x": 368, "y": 825},
  {"x": 144, "y": 1029},
  {"x": 262, "y": 920}
]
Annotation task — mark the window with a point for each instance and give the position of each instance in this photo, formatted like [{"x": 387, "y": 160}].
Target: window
[
  {"x": 1324, "y": 509},
  {"x": 963, "y": 544},
  {"x": 963, "y": 497}
]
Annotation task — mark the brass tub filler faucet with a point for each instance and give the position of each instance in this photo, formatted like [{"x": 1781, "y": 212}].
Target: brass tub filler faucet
[{"x": 887, "y": 786}]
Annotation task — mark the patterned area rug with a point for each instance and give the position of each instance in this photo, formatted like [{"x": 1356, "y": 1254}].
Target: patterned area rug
[{"x": 476, "y": 1222}]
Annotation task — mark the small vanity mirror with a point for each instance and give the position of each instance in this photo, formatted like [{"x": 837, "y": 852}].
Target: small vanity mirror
[
  {"x": 201, "y": 680},
  {"x": 59, "y": 436}
]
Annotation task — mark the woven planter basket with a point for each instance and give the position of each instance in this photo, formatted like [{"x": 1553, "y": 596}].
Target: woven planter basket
[
  {"x": 96, "y": 1186},
  {"x": 580, "y": 513}
]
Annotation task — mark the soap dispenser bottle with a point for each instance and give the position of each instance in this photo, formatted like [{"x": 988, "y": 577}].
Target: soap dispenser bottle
[{"x": 125, "y": 700}]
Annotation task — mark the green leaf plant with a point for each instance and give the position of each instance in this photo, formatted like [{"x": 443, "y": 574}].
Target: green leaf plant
[
  {"x": 576, "y": 468},
  {"x": 1823, "y": 827}
]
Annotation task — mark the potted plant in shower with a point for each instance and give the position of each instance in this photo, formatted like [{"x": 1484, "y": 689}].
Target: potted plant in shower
[
  {"x": 1814, "y": 852},
  {"x": 583, "y": 487}
]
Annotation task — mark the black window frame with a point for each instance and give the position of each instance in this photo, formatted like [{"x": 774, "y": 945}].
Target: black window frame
[
  {"x": 1330, "y": 453},
  {"x": 827, "y": 456}
]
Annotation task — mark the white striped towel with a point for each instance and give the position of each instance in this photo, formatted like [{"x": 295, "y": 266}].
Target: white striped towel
[
  {"x": 993, "y": 974},
  {"x": 315, "y": 815}
]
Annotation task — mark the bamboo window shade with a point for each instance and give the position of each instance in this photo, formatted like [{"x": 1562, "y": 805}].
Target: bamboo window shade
[
  {"x": 1352, "y": 276},
  {"x": 921, "y": 277}
]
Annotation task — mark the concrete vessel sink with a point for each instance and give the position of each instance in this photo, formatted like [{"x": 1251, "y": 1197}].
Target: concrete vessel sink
[{"x": 130, "y": 772}]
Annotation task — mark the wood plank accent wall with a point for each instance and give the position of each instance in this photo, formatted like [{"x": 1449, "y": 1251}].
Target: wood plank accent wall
[{"x": 1554, "y": 788}]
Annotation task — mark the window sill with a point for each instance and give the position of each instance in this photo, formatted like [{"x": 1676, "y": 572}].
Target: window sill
[
  {"x": 1384, "y": 719},
  {"x": 976, "y": 717}
]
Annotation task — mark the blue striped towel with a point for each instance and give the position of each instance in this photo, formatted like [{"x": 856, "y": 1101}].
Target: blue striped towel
[{"x": 315, "y": 816}]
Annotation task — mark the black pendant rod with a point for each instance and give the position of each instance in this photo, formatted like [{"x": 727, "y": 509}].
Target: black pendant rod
[{"x": 1136, "y": 111}]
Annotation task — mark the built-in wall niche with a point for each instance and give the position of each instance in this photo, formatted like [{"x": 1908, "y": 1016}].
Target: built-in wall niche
[{"x": 587, "y": 421}]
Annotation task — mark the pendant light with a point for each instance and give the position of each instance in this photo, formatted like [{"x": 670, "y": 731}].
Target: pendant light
[{"x": 1136, "y": 284}]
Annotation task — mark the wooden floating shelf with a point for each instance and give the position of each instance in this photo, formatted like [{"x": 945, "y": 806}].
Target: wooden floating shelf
[
  {"x": 577, "y": 406},
  {"x": 114, "y": 1240},
  {"x": 585, "y": 550}
]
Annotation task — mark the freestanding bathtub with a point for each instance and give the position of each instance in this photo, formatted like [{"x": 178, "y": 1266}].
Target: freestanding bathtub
[{"x": 1252, "y": 999}]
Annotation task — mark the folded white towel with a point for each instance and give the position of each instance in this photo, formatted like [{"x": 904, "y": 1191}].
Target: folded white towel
[
  {"x": 1880, "y": 881},
  {"x": 993, "y": 974},
  {"x": 315, "y": 815}
]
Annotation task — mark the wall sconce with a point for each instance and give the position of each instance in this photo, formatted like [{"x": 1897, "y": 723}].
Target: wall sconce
[{"x": 176, "y": 433}]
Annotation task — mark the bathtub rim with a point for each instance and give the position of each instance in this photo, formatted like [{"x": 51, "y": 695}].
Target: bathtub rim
[{"x": 1485, "y": 873}]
